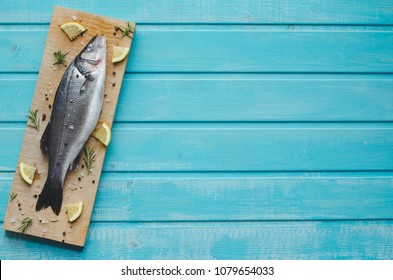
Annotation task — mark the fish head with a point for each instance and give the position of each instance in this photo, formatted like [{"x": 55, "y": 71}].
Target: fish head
[{"x": 93, "y": 56}]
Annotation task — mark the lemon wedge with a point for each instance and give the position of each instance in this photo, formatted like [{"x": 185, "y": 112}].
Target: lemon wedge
[
  {"x": 119, "y": 53},
  {"x": 74, "y": 210},
  {"x": 104, "y": 134},
  {"x": 27, "y": 172},
  {"x": 72, "y": 29}
]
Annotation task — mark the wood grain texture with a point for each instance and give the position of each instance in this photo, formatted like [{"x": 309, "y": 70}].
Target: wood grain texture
[
  {"x": 256, "y": 147},
  {"x": 228, "y": 114},
  {"x": 237, "y": 197},
  {"x": 246, "y": 240},
  {"x": 213, "y": 11},
  {"x": 30, "y": 153},
  {"x": 251, "y": 51},
  {"x": 249, "y": 98}
]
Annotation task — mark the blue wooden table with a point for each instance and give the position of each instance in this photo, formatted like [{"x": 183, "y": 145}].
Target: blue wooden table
[{"x": 245, "y": 130}]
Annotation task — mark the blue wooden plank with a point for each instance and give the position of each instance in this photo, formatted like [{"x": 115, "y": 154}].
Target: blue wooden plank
[
  {"x": 213, "y": 11},
  {"x": 256, "y": 240},
  {"x": 208, "y": 51},
  {"x": 214, "y": 145},
  {"x": 219, "y": 147},
  {"x": 235, "y": 197},
  {"x": 204, "y": 98},
  {"x": 21, "y": 52}
]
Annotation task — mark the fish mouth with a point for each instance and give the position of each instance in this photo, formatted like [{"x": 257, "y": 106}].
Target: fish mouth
[
  {"x": 102, "y": 49},
  {"x": 102, "y": 42},
  {"x": 93, "y": 61},
  {"x": 96, "y": 58}
]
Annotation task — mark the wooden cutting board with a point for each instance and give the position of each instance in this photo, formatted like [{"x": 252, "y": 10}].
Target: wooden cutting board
[{"x": 78, "y": 186}]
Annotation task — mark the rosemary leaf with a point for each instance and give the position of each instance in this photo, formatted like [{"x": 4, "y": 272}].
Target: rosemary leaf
[
  {"x": 34, "y": 119},
  {"x": 25, "y": 224},
  {"x": 59, "y": 57},
  {"x": 90, "y": 157},
  {"x": 13, "y": 196},
  {"x": 127, "y": 31}
]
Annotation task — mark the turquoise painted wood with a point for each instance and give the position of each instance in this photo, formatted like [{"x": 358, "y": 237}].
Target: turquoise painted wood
[
  {"x": 236, "y": 197},
  {"x": 218, "y": 240},
  {"x": 235, "y": 147},
  {"x": 214, "y": 11},
  {"x": 245, "y": 130},
  {"x": 234, "y": 49},
  {"x": 209, "y": 98}
]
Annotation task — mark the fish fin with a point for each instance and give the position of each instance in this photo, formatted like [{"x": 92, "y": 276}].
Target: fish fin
[
  {"x": 51, "y": 195},
  {"x": 45, "y": 140},
  {"x": 87, "y": 85},
  {"x": 74, "y": 164}
]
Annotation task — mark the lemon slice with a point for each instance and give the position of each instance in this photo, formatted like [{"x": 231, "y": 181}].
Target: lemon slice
[
  {"x": 119, "y": 53},
  {"x": 104, "y": 134},
  {"x": 74, "y": 210},
  {"x": 27, "y": 172},
  {"x": 72, "y": 29}
]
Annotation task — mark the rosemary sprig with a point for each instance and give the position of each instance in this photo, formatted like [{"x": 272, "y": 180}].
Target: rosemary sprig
[
  {"x": 34, "y": 119},
  {"x": 13, "y": 196},
  {"x": 127, "y": 31},
  {"x": 90, "y": 156},
  {"x": 59, "y": 57},
  {"x": 25, "y": 224}
]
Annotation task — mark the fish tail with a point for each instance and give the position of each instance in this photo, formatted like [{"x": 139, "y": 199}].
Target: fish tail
[{"x": 51, "y": 195}]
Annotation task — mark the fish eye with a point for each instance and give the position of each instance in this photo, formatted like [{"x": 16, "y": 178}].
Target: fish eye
[{"x": 89, "y": 47}]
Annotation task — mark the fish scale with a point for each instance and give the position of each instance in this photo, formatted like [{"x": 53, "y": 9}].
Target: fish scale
[
  {"x": 69, "y": 102},
  {"x": 76, "y": 110}
]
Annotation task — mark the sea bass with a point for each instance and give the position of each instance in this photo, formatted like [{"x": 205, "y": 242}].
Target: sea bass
[{"x": 76, "y": 109}]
